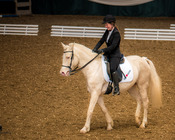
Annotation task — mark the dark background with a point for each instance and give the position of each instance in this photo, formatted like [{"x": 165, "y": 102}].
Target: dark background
[{"x": 155, "y": 8}]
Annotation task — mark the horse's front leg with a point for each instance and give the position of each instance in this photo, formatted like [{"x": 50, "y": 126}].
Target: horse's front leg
[
  {"x": 93, "y": 101},
  {"x": 106, "y": 113}
]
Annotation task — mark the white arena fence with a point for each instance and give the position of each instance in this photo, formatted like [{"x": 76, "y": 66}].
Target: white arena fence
[
  {"x": 172, "y": 26},
  {"x": 18, "y": 29},
  {"x": 77, "y": 31},
  {"x": 149, "y": 34}
]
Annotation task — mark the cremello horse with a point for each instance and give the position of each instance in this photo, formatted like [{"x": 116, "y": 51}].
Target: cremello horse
[{"x": 145, "y": 77}]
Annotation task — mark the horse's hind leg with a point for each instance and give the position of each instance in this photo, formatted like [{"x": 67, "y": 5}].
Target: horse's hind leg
[
  {"x": 135, "y": 93},
  {"x": 105, "y": 111},
  {"x": 145, "y": 101}
]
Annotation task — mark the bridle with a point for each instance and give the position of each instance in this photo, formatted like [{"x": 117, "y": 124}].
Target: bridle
[
  {"x": 70, "y": 60},
  {"x": 72, "y": 72}
]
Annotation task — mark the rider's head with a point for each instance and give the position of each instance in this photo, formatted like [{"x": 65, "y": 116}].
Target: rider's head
[{"x": 109, "y": 22}]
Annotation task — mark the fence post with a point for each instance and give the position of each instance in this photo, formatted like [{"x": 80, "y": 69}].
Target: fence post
[
  {"x": 4, "y": 29},
  {"x": 135, "y": 34},
  {"x": 26, "y": 30},
  {"x": 84, "y": 32},
  {"x": 62, "y": 31},
  {"x": 157, "y": 35}
]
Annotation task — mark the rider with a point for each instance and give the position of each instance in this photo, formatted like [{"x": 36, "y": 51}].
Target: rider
[{"x": 112, "y": 52}]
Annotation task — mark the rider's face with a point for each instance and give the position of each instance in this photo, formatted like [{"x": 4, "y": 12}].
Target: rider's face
[{"x": 109, "y": 26}]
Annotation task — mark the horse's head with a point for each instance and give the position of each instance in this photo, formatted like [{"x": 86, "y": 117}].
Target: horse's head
[{"x": 70, "y": 60}]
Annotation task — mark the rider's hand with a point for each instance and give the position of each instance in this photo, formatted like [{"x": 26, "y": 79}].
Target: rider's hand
[
  {"x": 100, "y": 51},
  {"x": 95, "y": 50}
]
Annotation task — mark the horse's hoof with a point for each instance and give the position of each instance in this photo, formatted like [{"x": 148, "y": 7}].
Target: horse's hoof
[
  {"x": 138, "y": 122},
  {"x": 84, "y": 130},
  {"x": 142, "y": 126},
  {"x": 109, "y": 128}
]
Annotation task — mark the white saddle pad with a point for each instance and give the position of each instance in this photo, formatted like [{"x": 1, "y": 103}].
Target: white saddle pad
[{"x": 126, "y": 69}]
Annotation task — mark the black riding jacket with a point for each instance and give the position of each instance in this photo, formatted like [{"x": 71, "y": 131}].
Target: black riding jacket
[{"x": 113, "y": 44}]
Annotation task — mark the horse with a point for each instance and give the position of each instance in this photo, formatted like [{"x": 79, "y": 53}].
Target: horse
[{"x": 145, "y": 80}]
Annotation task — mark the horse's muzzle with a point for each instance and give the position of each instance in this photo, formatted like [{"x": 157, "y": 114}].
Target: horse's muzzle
[{"x": 65, "y": 73}]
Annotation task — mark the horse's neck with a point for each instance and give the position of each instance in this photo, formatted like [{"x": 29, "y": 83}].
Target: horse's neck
[
  {"x": 85, "y": 55},
  {"x": 82, "y": 54}
]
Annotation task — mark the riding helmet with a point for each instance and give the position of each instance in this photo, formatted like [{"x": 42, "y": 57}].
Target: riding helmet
[{"x": 109, "y": 19}]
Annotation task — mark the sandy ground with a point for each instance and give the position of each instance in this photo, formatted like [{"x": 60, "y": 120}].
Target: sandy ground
[{"x": 37, "y": 103}]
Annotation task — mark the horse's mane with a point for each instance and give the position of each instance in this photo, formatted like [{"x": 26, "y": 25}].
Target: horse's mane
[{"x": 83, "y": 49}]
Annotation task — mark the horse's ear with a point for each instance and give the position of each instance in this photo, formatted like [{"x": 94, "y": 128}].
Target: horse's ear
[{"x": 64, "y": 46}]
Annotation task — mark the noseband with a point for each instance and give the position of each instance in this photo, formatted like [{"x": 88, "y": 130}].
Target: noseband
[{"x": 72, "y": 72}]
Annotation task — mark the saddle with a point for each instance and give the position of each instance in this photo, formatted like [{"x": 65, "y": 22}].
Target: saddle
[{"x": 119, "y": 71}]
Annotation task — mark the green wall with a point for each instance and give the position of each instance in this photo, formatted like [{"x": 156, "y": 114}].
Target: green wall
[{"x": 155, "y": 8}]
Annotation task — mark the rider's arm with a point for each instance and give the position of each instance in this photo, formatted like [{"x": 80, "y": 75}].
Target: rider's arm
[
  {"x": 115, "y": 43},
  {"x": 102, "y": 40}
]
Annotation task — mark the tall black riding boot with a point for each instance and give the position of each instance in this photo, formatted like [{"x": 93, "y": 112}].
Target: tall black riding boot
[{"x": 116, "y": 83}]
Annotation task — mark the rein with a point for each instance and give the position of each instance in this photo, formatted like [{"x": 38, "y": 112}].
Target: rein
[{"x": 72, "y": 72}]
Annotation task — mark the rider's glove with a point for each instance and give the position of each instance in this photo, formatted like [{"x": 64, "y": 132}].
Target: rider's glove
[
  {"x": 95, "y": 50},
  {"x": 100, "y": 51}
]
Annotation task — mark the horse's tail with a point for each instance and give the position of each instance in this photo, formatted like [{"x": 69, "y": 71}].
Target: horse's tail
[{"x": 155, "y": 86}]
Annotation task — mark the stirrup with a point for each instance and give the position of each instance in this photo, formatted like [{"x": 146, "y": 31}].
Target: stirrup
[
  {"x": 117, "y": 92},
  {"x": 109, "y": 88}
]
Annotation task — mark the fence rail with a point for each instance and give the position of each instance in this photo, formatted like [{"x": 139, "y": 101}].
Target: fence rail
[
  {"x": 77, "y": 31},
  {"x": 172, "y": 26},
  {"x": 18, "y": 29},
  {"x": 149, "y": 34}
]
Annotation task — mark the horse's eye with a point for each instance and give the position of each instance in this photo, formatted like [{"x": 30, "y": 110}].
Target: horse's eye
[{"x": 67, "y": 57}]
